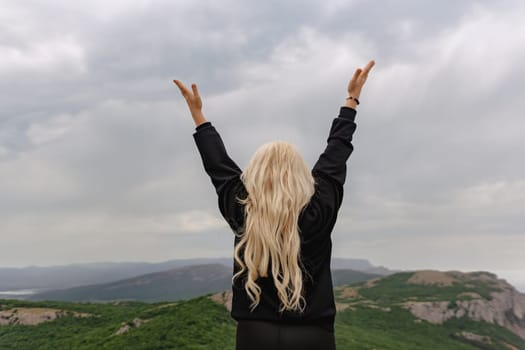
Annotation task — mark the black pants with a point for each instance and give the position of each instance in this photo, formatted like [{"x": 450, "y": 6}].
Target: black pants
[{"x": 264, "y": 335}]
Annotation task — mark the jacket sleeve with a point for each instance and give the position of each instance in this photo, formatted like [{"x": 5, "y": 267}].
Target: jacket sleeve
[
  {"x": 330, "y": 168},
  {"x": 223, "y": 172}
]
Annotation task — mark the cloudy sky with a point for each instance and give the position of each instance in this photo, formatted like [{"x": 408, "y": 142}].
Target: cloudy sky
[{"x": 98, "y": 161}]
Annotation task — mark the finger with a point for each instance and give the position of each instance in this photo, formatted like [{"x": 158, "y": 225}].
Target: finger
[
  {"x": 195, "y": 90},
  {"x": 369, "y": 66},
  {"x": 181, "y": 87},
  {"x": 362, "y": 78},
  {"x": 356, "y": 75}
]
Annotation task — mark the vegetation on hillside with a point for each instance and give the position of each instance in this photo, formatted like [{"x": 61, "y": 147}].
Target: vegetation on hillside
[{"x": 370, "y": 316}]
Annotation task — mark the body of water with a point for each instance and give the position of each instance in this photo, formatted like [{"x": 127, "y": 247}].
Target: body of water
[{"x": 18, "y": 292}]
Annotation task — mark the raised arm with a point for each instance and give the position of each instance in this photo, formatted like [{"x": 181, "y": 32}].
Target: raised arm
[
  {"x": 218, "y": 165},
  {"x": 332, "y": 162}
]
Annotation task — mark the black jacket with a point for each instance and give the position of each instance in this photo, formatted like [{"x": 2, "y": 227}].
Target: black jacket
[{"x": 316, "y": 222}]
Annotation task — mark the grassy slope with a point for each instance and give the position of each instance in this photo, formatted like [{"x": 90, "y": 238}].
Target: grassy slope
[
  {"x": 202, "y": 324},
  {"x": 394, "y": 289},
  {"x": 196, "y": 324}
]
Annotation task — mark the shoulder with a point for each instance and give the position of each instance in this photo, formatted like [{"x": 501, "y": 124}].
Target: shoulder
[
  {"x": 319, "y": 216},
  {"x": 328, "y": 191}
]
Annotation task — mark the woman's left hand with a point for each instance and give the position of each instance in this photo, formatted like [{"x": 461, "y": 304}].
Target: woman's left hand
[{"x": 192, "y": 99}]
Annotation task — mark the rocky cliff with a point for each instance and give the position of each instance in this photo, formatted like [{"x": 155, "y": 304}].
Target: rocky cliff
[{"x": 435, "y": 297}]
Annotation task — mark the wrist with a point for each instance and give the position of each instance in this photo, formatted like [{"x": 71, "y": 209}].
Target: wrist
[
  {"x": 351, "y": 103},
  {"x": 198, "y": 117}
]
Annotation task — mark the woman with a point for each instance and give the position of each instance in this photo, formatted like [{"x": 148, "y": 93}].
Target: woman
[{"x": 282, "y": 215}]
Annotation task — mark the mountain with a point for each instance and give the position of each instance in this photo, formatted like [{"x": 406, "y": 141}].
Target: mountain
[
  {"x": 44, "y": 278},
  {"x": 414, "y": 310},
  {"x": 73, "y": 275},
  {"x": 360, "y": 265},
  {"x": 174, "y": 284},
  {"x": 427, "y": 309}
]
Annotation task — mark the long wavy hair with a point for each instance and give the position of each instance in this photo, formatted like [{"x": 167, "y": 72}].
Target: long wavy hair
[{"x": 279, "y": 185}]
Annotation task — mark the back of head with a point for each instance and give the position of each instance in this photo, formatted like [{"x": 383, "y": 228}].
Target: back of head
[{"x": 279, "y": 185}]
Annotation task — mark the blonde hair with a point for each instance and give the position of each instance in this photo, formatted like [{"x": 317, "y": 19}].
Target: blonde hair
[{"x": 279, "y": 184}]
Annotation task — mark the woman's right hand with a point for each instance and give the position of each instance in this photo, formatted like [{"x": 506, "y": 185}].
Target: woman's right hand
[{"x": 358, "y": 80}]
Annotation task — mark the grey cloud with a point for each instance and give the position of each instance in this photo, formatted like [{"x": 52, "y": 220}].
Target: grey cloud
[{"x": 431, "y": 130}]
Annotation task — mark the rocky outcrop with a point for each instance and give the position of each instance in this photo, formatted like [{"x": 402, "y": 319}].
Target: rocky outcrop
[
  {"x": 126, "y": 326},
  {"x": 448, "y": 278},
  {"x": 473, "y": 338},
  {"x": 223, "y": 298},
  {"x": 435, "y": 312},
  {"x": 506, "y": 309},
  {"x": 433, "y": 277},
  {"x": 34, "y": 315},
  {"x": 347, "y": 292}
]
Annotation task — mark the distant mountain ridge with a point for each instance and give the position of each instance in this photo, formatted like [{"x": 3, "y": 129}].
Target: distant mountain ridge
[
  {"x": 74, "y": 275},
  {"x": 174, "y": 284}
]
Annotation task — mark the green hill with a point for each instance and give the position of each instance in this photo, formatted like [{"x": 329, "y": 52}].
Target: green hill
[
  {"x": 410, "y": 310},
  {"x": 196, "y": 324},
  {"x": 431, "y": 310}
]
